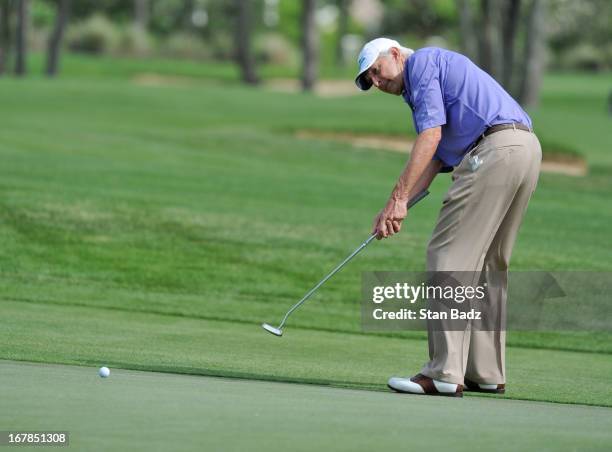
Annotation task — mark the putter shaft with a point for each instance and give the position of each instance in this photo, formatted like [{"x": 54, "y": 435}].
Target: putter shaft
[
  {"x": 411, "y": 203},
  {"x": 332, "y": 273}
]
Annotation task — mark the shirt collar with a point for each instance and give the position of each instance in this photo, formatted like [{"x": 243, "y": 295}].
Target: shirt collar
[{"x": 406, "y": 93}]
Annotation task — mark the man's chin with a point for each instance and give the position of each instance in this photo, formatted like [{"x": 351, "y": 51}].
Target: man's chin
[{"x": 394, "y": 91}]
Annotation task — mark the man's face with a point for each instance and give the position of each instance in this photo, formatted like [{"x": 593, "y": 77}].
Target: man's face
[{"x": 387, "y": 73}]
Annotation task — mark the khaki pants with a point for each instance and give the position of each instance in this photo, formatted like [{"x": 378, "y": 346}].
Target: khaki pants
[{"x": 478, "y": 224}]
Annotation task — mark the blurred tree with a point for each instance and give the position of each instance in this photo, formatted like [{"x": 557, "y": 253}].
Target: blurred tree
[
  {"x": 343, "y": 22},
  {"x": 168, "y": 16},
  {"x": 21, "y": 47},
  {"x": 55, "y": 40},
  {"x": 309, "y": 44},
  {"x": 117, "y": 10},
  {"x": 423, "y": 18},
  {"x": 290, "y": 20},
  {"x": 511, "y": 14},
  {"x": 243, "y": 47},
  {"x": 580, "y": 33},
  {"x": 142, "y": 10},
  {"x": 186, "y": 14},
  {"x": 489, "y": 42},
  {"x": 499, "y": 24},
  {"x": 535, "y": 50},
  {"x": 5, "y": 34},
  {"x": 469, "y": 44},
  {"x": 220, "y": 31}
]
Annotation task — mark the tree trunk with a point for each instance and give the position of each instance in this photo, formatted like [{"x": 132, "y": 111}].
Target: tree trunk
[
  {"x": 309, "y": 44},
  {"x": 535, "y": 50},
  {"x": 55, "y": 40},
  {"x": 186, "y": 14},
  {"x": 21, "y": 41},
  {"x": 343, "y": 20},
  {"x": 183, "y": 17},
  {"x": 510, "y": 23},
  {"x": 5, "y": 34},
  {"x": 244, "y": 53},
  {"x": 490, "y": 52},
  {"x": 469, "y": 43},
  {"x": 141, "y": 13}
]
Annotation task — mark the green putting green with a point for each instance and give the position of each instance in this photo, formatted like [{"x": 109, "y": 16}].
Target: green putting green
[
  {"x": 92, "y": 336},
  {"x": 147, "y": 411}
]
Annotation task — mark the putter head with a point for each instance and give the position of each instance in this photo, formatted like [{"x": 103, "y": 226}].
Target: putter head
[{"x": 271, "y": 329}]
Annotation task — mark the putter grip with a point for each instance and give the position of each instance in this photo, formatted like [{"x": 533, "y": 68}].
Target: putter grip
[{"x": 417, "y": 198}]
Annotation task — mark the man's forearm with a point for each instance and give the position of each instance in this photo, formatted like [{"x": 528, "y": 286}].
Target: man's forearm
[
  {"x": 420, "y": 169},
  {"x": 430, "y": 172}
]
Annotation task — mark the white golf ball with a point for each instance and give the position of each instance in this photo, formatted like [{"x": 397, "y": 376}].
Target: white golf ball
[{"x": 104, "y": 372}]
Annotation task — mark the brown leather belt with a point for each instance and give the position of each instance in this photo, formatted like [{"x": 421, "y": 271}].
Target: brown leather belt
[{"x": 498, "y": 128}]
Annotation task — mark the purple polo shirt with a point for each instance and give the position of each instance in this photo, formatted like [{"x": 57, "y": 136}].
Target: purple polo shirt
[{"x": 446, "y": 89}]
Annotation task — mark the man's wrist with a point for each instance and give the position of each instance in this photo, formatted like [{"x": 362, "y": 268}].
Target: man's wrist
[{"x": 398, "y": 197}]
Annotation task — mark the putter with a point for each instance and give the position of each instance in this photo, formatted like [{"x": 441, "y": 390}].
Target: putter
[{"x": 279, "y": 331}]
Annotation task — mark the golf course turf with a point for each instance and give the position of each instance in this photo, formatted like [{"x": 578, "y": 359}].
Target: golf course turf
[
  {"x": 155, "y": 229},
  {"x": 206, "y": 413}
]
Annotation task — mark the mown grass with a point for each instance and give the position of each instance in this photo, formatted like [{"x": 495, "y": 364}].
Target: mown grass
[
  {"x": 143, "y": 411},
  {"x": 170, "y": 343},
  {"x": 197, "y": 201},
  {"x": 571, "y": 120}
]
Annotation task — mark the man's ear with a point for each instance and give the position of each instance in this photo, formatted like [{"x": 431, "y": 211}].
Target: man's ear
[{"x": 395, "y": 52}]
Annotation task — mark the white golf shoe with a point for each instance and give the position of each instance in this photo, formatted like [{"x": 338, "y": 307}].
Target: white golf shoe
[
  {"x": 420, "y": 384},
  {"x": 485, "y": 387}
]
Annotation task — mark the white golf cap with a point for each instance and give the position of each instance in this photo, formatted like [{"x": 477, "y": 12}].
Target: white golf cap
[{"x": 368, "y": 55}]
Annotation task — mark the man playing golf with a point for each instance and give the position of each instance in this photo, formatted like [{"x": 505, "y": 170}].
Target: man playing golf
[{"x": 467, "y": 124}]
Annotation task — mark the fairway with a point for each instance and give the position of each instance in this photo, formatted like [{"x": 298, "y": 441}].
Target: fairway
[{"x": 152, "y": 411}]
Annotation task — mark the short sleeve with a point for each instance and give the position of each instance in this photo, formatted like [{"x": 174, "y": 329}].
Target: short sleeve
[
  {"x": 426, "y": 98},
  {"x": 445, "y": 168}
]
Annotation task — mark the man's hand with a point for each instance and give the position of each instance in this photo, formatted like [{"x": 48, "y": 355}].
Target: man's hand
[
  {"x": 389, "y": 220},
  {"x": 417, "y": 175}
]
